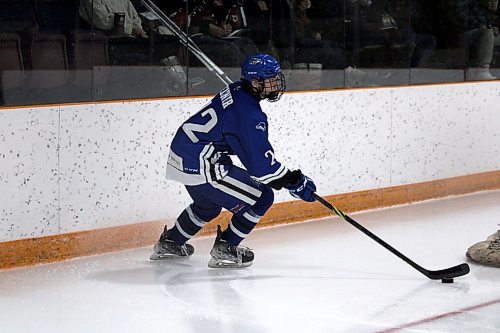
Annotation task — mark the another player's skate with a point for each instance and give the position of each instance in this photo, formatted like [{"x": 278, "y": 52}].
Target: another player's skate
[
  {"x": 486, "y": 252},
  {"x": 167, "y": 248},
  {"x": 227, "y": 256}
]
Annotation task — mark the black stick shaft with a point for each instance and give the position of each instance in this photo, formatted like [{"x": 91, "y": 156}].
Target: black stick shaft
[
  {"x": 371, "y": 235},
  {"x": 451, "y": 272}
]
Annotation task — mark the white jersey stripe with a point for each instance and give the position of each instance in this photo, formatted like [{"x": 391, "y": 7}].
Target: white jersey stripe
[
  {"x": 221, "y": 172},
  {"x": 270, "y": 177},
  {"x": 234, "y": 193},
  {"x": 185, "y": 178},
  {"x": 204, "y": 163},
  {"x": 218, "y": 173},
  {"x": 208, "y": 166},
  {"x": 277, "y": 176},
  {"x": 236, "y": 231},
  {"x": 243, "y": 186}
]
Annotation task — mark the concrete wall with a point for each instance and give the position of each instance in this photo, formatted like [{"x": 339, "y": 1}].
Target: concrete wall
[{"x": 80, "y": 167}]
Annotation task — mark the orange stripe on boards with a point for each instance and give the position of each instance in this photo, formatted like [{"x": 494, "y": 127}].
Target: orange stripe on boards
[{"x": 47, "y": 249}]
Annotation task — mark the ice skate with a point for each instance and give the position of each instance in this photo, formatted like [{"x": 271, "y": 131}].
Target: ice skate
[
  {"x": 227, "y": 256},
  {"x": 167, "y": 248},
  {"x": 486, "y": 252}
]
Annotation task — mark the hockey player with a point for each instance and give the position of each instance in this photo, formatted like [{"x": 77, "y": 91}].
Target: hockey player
[{"x": 233, "y": 123}]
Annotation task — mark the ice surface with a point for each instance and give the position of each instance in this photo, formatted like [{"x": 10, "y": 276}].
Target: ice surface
[{"x": 317, "y": 276}]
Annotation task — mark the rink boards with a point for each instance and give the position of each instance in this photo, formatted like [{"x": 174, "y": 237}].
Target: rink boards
[{"x": 77, "y": 176}]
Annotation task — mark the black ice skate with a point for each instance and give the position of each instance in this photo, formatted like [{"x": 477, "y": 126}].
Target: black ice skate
[
  {"x": 227, "y": 256},
  {"x": 167, "y": 248}
]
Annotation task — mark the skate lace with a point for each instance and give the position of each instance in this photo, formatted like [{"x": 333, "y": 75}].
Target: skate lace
[
  {"x": 184, "y": 250},
  {"x": 240, "y": 251}
]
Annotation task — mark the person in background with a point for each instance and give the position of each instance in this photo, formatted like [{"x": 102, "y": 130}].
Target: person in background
[
  {"x": 472, "y": 23},
  {"x": 101, "y": 14},
  {"x": 211, "y": 27},
  {"x": 258, "y": 25},
  {"x": 388, "y": 23},
  {"x": 310, "y": 46}
]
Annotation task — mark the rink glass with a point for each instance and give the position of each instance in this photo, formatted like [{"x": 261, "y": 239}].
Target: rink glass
[{"x": 50, "y": 54}]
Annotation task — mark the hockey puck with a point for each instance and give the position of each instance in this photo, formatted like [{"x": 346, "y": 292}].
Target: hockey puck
[{"x": 447, "y": 280}]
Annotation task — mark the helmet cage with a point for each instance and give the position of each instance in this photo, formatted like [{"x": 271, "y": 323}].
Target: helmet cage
[{"x": 271, "y": 88}]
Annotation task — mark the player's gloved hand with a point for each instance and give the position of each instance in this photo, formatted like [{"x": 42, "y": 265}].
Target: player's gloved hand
[{"x": 303, "y": 189}]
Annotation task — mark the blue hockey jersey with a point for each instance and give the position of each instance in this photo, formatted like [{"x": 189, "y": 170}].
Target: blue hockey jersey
[{"x": 233, "y": 123}]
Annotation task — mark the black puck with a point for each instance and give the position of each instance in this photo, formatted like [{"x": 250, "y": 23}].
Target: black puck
[{"x": 447, "y": 280}]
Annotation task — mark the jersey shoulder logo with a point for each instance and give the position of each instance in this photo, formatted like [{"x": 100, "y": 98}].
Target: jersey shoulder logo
[{"x": 261, "y": 126}]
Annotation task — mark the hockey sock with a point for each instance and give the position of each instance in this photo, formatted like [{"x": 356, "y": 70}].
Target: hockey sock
[
  {"x": 186, "y": 226},
  {"x": 239, "y": 227}
]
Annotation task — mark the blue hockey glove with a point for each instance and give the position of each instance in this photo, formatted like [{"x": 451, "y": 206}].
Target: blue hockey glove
[{"x": 304, "y": 189}]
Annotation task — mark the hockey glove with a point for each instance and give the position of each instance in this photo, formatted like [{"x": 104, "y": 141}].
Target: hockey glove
[{"x": 304, "y": 189}]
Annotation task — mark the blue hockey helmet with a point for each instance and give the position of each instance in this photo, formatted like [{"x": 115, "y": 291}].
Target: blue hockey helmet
[
  {"x": 260, "y": 66},
  {"x": 267, "y": 72}
]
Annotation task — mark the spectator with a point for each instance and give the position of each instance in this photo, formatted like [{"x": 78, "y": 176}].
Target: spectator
[
  {"x": 282, "y": 31},
  {"x": 309, "y": 44},
  {"x": 119, "y": 20},
  {"x": 472, "y": 23},
  {"x": 129, "y": 44},
  {"x": 414, "y": 23},
  {"x": 497, "y": 25},
  {"x": 101, "y": 14},
  {"x": 258, "y": 18},
  {"x": 380, "y": 27},
  {"x": 329, "y": 18},
  {"x": 496, "y": 55},
  {"x": 211, "y": 29}
]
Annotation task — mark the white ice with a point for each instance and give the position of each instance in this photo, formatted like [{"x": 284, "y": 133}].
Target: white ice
[{"x": 316, "y": 276}]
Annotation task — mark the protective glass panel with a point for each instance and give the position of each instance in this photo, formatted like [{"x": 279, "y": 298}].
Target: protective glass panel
[{"x": 55, "y": 51}]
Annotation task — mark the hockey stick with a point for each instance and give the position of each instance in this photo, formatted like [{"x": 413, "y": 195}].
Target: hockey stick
[
  {"x": 446, "y": 273},
  {"x": 187, "y": 41}
]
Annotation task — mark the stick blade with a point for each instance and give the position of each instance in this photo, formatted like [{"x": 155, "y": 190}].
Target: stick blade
[{"x": 452, "y": 272}]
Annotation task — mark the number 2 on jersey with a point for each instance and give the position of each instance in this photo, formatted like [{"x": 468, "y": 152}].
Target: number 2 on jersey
[
  {"x": 270, "y": 153},
  {"x": 190, "y": 129}
]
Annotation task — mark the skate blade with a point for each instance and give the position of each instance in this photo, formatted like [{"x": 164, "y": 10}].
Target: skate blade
[
  {"x": 157, "y": 256},
  {"x": 219, "y": 263}
]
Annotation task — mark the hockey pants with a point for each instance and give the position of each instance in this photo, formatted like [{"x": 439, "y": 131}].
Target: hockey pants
[{"x": 247, "y": 199}]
